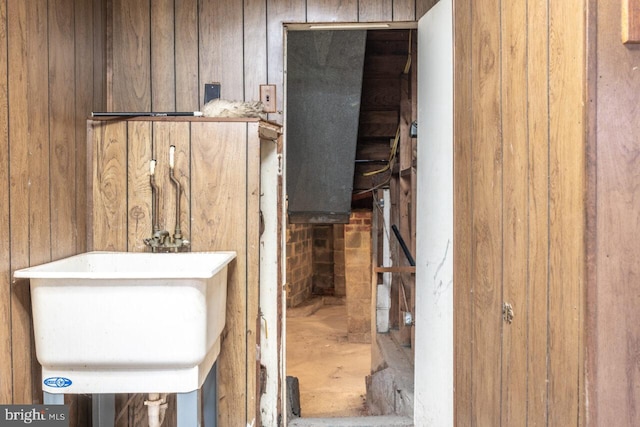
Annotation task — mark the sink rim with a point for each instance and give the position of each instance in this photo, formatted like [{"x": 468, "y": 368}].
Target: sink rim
[{"x": 55, "y": 269}]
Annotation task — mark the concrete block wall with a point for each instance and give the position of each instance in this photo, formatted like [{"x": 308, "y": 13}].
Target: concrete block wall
[
  {"x": 357, "y": 247},
  {"x": 299, "y": 263},
  {"x": 339, "y": 281},
  {"x": 323, "y": 263}
]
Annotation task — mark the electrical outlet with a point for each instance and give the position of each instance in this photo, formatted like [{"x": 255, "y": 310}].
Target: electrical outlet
[
  {"x": 268, "y": 98},
  {"x": 211, "y": 91}
]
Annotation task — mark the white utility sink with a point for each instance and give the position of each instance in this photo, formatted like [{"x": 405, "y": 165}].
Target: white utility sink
[{"x": 124, "y": 322}]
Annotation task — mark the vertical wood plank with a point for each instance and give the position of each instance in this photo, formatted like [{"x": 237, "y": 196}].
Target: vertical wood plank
[
  {"x": 84, "y": 69},
  {"x": 255, "y": 48},
  {"x": 62, "y": 119},
  {"x": 407, "y": 281},
  {"x": 404, "y": 10},
  {"x": 163, "y": 56},
  {"x": 278, "y": 13},
  {"x": 566, "y": 209},
  {"x": 138, "y": 190},
  {"x": 413, "y": 146},
  {"x": 376, "y": 10},
  {"x": 38, "y": 137},
  {"x": 395, "y": 311},
  {"x": 108, "y": 213},
  {"x": 221, "y": 46},
  {"x": 630, "y": 21},
  {"x": 131, "y": 56},
  {"x": 6, "y": 386},
  {"x": 615, "y": 342},
  {"x": 222, "y": 148},
  {"x": 463, "y": 217},
  {"x": 253, "y": 270},
  {"x": 538, "y": 171},
  {"x": 188, "y": 91},
  {"x": 487, "y": 214},
  {"x": 423, "y": 6},
  {"x": 166, "y": 134},
  {"x": 29, "y": 153},
  {"x": 332, "y": 11},
  {"x": 590, "y": 411},
  {"x": 515, "y": 210},
  {"x": 101, "y": 51},
  {"x": 413, "y": 34}
]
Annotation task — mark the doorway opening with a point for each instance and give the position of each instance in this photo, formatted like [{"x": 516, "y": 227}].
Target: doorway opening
[{"x": 350, "y": 278}]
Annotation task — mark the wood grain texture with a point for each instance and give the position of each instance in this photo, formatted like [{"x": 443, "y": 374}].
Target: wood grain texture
[
  {"x": 404, "y": 206},
  {"x": 404, "y": 10},
  {"x": 332, "y": 10},
  {"x": 101, "y": 48},
  {"x": 29, "y": 177},
  {"x": 221, "y": 46},
  {"x": 139, "y": 145},
  {"x": 487, "y": 214},
  {"x": 253, "y": 271},
  {"x": 280, "y": 12},
  {"x": 538, "y": 195},
  {"x": 630, "y": 21},
  {"x": 188, "y": 91},
  {"x": 222, "y": 148},
  {"x": 43, "y": 57},
  {"x": 131, "y": 56},
  {"x": 567, "y": 64},
  {"x": 462, "y": 211},
  {"x": 166, "y": 134},
  {"x": 163, "y": 56},
  {"x": 589, "y": 412},
  {"x": 108, "y": 213},
  {"x": 423, "y": 6},
  {"x": 62, "y": 119},
  {"x": 6, "y": 385},
  {"x": 255, "y": 48},
  {"x": 375, "y": 10},
  {"x": 414, "y": 142},
  {"x": 515, "y": 210},
  {"x": 615, "y": 372},
  {"x": 84, "y": 103}
]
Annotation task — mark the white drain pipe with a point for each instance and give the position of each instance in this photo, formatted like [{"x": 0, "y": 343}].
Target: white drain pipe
[{"x": 156, "y": 408}]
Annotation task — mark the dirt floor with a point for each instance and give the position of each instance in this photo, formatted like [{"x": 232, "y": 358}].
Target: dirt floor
[{"x": 330, "y": 370}]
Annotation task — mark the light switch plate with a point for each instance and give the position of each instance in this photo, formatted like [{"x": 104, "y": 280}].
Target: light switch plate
[{"x": 268, "y": 98}]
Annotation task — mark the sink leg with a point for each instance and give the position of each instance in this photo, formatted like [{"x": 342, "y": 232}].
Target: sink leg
[
  {"x": 53, "y": 399},
  {"x": 210, "y": 398},
  {"x": 103, "y": 410},
  {"x": 188, "y": 409}
]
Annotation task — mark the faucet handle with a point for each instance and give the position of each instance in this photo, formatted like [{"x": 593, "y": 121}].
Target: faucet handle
[{"x": 172, "y": 152}]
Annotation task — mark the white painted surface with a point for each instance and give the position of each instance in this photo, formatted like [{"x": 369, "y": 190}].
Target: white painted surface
[
  {"x": 386, "y": 237},
  {"x": 269, "y": 355},
  {"x": 434, "y": 251},
  {"x": 118, "y": 322},
  {"x": 383, "y": 304},
  {"x": 383, "y": 294}
]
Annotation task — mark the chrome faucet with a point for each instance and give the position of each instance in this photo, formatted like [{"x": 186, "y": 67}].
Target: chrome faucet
[{"x": 161, "y": 240}]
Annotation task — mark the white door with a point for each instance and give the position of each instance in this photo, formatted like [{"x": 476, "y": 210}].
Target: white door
[{"x": 434, "y": 222}]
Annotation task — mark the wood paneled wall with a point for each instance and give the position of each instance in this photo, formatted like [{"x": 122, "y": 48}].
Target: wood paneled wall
[
  {"x": 519, "y": 172},
  {"x": 48, "y": 59},
  {"x": 218, "y": 166},
  {"x": 163, "y": 52},
  {"x": 614, "y": 209}
]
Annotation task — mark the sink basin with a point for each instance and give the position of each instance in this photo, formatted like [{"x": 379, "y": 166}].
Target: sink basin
[{"x": 124, "y": 322}]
